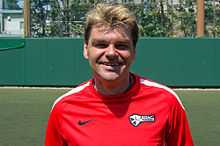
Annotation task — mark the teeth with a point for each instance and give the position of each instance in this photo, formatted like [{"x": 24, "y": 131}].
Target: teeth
[{"x": 111, "y": 64}]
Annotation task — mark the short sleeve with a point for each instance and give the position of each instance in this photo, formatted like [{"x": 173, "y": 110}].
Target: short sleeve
[
  {"x": 53, "y": 136},
  {"x": 178, "y": 127}
]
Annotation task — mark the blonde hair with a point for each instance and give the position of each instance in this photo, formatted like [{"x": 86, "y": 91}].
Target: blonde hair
[{"x": 111, "y": 15}]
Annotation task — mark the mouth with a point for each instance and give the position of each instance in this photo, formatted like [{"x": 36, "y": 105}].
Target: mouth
[{"x": 112, "y": 64}]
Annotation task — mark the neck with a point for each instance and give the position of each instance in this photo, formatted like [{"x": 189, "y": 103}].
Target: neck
[{"x": 113, "y": 87}]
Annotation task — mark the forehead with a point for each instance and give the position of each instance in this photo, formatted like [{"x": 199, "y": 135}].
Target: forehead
[{"x": 107, "y": 32}]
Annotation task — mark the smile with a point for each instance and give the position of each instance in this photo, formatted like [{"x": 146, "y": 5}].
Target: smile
[{"x": 111, "y": 64}]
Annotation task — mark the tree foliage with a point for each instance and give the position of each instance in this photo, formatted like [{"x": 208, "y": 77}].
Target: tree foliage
[{"x": 157, "y": 18}]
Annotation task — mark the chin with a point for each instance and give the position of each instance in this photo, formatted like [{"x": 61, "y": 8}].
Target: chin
[{"x": 109, "y": 76}]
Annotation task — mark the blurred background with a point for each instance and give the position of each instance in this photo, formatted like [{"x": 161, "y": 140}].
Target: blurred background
[{"x": 64, "y": 18}]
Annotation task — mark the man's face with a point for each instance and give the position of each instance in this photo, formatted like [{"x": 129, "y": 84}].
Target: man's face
[{"x": 110, "y": 52}]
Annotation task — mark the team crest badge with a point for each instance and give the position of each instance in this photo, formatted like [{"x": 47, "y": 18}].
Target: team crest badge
[{"x": 136, "y": 119}]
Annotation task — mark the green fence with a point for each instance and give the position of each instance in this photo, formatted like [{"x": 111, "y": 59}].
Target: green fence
[
  {"x": 59, "y": 61},
  {"x": 180, "y": 62}
]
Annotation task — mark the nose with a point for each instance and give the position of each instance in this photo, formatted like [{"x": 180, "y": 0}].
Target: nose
[{"x": 111, "y": 51}]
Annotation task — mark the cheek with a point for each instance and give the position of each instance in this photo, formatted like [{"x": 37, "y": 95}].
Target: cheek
[
  {"x": 93, "y": 54},
  {"x": 129, "y": 56}
]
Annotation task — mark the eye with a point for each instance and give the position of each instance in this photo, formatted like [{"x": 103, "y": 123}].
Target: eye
[
  {"x": 100, "y": 45},
  {"x": 122, "y": 46}
]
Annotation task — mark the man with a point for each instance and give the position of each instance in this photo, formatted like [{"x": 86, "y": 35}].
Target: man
[{"x": 116, "y": 107}]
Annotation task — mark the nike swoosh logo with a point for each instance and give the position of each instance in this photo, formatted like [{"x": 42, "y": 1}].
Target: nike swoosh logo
[{"x": 81, "y": 123}]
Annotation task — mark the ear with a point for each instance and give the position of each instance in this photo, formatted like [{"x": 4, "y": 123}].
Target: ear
[
  {"x": 134, "y": 53},
  {"x": 85, "y": 51}
]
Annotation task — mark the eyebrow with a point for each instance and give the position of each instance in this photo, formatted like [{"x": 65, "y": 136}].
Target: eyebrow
[
  {"x": 99, "y": 41},
  {"x": 106, "y": 41}
]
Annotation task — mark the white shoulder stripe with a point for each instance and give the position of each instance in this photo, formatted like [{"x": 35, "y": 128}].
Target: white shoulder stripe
[
  {"x": 74, "y": 90},
  {"x": 154, "y": 84}
]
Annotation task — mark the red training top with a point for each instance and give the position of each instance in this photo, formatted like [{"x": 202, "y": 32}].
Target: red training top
[{"x": 148, "y": 114}]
